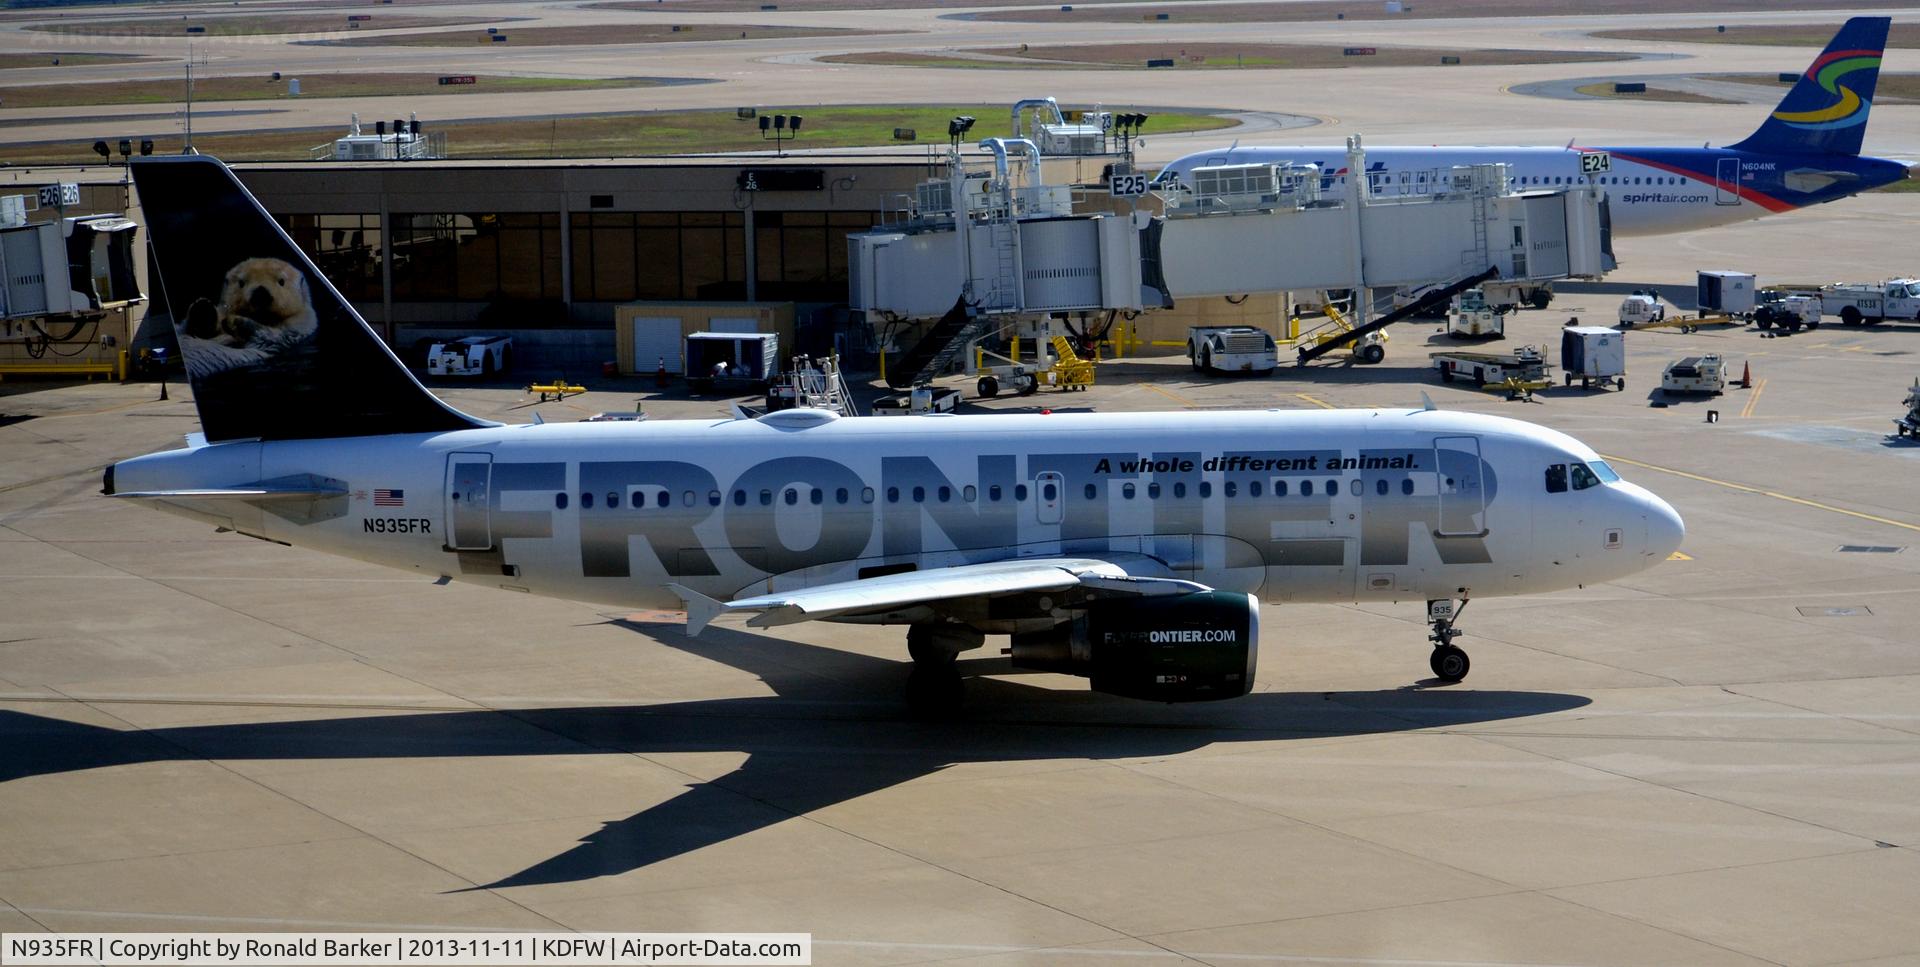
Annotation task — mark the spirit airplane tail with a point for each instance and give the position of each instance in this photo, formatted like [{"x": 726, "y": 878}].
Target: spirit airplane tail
[{"x": 1826, "y": 112}]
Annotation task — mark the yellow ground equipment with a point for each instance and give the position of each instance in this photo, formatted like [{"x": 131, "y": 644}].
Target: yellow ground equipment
[
  {"x": 1370, "y": 348},
  {"x": 1069, "y": 371},
  {"x": 559, "y": 389}
]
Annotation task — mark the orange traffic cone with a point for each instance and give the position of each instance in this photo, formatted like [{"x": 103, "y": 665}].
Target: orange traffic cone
[{"x": 1746, "y": 375}]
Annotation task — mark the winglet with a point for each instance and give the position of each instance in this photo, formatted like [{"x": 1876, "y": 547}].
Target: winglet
[{"x": 701, "y": 610}]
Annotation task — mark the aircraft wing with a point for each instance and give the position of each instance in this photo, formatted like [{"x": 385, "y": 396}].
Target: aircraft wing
[{"x": 992, "y": 579}]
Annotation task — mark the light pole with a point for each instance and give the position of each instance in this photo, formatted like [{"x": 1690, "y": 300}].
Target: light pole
[{"x": 779, "y": 128}]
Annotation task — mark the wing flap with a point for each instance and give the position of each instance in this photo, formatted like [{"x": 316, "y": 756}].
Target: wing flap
[{"x": 992, "y": 579}]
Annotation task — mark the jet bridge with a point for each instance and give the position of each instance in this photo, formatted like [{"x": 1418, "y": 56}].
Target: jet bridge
[{"x": 1004, "y": 244}]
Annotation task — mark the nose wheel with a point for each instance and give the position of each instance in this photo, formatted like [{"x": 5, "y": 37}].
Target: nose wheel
[{"x": 1448, "y": 661}]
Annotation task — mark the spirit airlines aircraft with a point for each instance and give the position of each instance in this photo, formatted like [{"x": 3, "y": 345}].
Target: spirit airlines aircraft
[
  {"x": 1128, "y": 548},
  {"x": 1805, "y": 153}
]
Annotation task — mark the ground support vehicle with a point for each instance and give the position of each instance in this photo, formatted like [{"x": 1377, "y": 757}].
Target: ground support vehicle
[
  {"x": 1471, "y": 317},
  {"x": 1525, "y": 364},
  {"x": 1231, "y": 349},
  {"x": 1640, "y": 310},
  {"x": 470, "y": 356},
  {"x": 1593, "y": 354},
  {"x": 1370, "y": 347},
  {"x": 1909, "y": 425},
  {"x": 1788, "y": 310},
  {"x": 1859, "y": 303},
  {"x": 1696, "y": 374},
  {"x": 919, "y": 401}
]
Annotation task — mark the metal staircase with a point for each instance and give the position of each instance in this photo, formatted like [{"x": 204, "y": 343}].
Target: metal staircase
[{"x": 942, "y": 344}]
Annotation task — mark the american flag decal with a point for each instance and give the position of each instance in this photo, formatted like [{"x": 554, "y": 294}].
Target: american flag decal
[{"x": 389, "y": 498}]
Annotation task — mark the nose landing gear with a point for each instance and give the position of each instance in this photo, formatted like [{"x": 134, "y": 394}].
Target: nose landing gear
[{"x": 1448, "y": 661}]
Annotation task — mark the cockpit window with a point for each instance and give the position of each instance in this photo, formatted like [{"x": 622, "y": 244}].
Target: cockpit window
[
  {"x": 1604, "y": 472},
  {"x": 1583, "y": 478},
  {"x": 1557, "y": 478}
]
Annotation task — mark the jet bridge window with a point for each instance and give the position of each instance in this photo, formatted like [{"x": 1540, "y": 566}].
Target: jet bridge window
[
  {"x": 1583, "y": 478},
  {"x": 1556, "y": 478}
]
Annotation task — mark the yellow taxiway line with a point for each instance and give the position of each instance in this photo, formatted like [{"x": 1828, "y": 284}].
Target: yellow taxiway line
[
  {"x": 1323, "y": 404},
  {"x": 1752, "y": 399},
  {"x": 1169, "y": 394},
  {"x": 1767, "y": 493}
]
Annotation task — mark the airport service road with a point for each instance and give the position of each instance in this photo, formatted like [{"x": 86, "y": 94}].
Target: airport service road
[
  {"x": 1713, "y": 763},
  {"x": 1399, "y": 105}
]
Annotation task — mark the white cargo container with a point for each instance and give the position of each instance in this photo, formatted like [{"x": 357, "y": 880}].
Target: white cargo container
[
  {"x": 1594, "y": 353},
  {"x": 1727, "y": 293}
]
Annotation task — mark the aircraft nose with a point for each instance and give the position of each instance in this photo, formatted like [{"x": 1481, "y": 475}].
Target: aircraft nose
[{"x": 1665, "y": 529}]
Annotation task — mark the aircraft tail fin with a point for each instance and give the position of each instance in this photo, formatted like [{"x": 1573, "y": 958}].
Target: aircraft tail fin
[
  {"x": 1826, "y": 111},
  {"x": 273, "y": 351}
]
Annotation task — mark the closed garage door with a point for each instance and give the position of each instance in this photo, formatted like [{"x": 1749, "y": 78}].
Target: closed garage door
[{"x": 656, "y": 339}]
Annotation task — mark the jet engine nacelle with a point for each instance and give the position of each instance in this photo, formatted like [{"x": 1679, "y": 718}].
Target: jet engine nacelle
[{"x": 1181, "y": 648}]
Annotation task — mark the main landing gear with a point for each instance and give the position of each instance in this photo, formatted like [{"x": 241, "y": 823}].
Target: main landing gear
[
  {"x": 1448, "y": 661},
  {"x": 934, "y": 687}
]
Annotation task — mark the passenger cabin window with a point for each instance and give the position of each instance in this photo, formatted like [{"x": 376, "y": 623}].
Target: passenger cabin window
[
  {"x": 1206, "y": 489},
  {"x": 919, "y": 495},
  {"x": 816, "y": 496},
  {"x": 1019, "y": 491},
  {"x": 586, "y": 500},
  {"x": 739, "y": 498},
  {"x": 713, "y": 498},
  {"x": 1557, "y": 478},
  {"x": 866, "y": 495},
  {"x": 1049, "y": 492},
  {"x": 1380, "y": 487},
  {"x": 1153, "y": 491},
  {"x": 1091, "y": 491},
  {"x": 1583, "y": 478},
  {"x": 893, "y": 495},
  {"x": 1126, "y": 490},
  {"x": 969, "y": 494},
  {"x": 945, "y": 494},
  {"x": 1406, "y": 486},
  {"x": 663, "y": 498},
  {"x": 791, "y": 496},
  {"x": 840, "y": 496},
  {"x": 1306, "y": 488},
  {"x": 993, "y": 492},
  {"x": 560, "y": 501},
  {"x": 766, "y": 498},
  {"x": 613, "y": 499}
]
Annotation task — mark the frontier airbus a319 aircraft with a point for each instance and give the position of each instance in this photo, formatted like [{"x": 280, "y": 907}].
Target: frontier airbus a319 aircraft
[
  {"x": 1128, "y": 548},
  {"x": 1806, "y": 152}
]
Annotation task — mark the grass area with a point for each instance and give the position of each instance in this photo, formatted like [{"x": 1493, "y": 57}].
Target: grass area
[
  {"x": 311, "y": 85},
  {"x": 1768, "y": 35},
  {"x": 1421, "y": 9},
  {"x": 1605, "y": 89},
  {"x": 62, "y": 59},
  {"x": 1912, "y": 184},
  {"x": 588, "y": 35},
  {"x": 241, "y": 26},
  {"x": 1207, "y": 57},
  {"x": 624, "y": 135},
  {"x": 1889, "y": 89}
]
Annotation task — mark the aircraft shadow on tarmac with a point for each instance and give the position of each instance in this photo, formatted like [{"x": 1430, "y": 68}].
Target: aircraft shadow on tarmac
[{"x": 833, "y": 731}]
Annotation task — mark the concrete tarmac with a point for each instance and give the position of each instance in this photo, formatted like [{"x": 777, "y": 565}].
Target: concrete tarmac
[{"x": 1715, "y": 762}]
